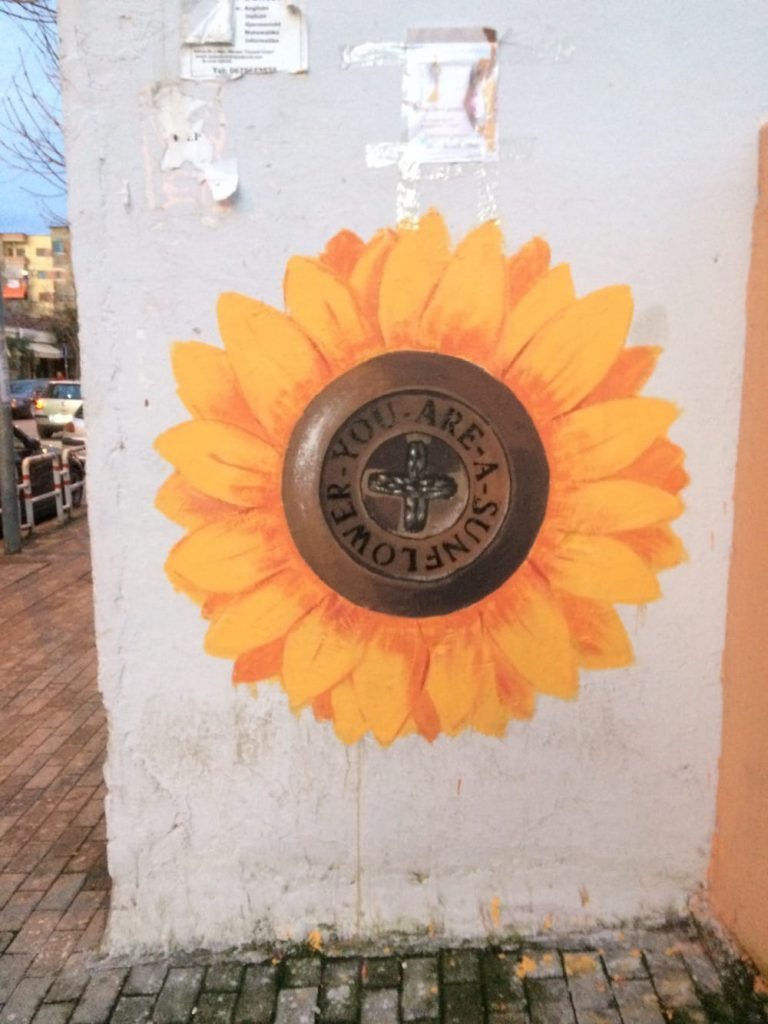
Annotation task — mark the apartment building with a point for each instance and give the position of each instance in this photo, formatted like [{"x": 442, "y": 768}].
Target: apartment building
[{"x": 36, "y": 272}]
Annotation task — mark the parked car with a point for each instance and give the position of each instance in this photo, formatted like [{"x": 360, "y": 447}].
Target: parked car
[
  {"x": 73, "y": 435},
  {"x": 57, "y": 405},
  {"x": 74, "y": 431},
  {"x": 23, "y": 395},
  {"x": 41, "y": 476}
]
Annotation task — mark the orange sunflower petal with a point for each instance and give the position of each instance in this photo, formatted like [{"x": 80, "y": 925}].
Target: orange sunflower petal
[
  {"x": 278, "y": 367},
  {"x": 527, "y": 626},
  {"x": 572, "y": 353},
  {"x": 660, "y": 464},
  {"x": 426, "y": 720},
  {"x": 597, "y": 633},
  {"x": 258, "y": 664},
  {"x": 342, "y": 252},
  {"x": 548, "y": 297},
  {"x": 322, "y": 707},
  {"x": 323, "y": 307},
  {"x": 365, "y": 279},
  {"x": 599, "y": 440},
  {"x": 321, "y": 650},
  {"x": 187, "y": 506},
  {"x": 628, "y": 374},
  {"x": 222, "y": 461},
  {"x": 348, "y": 721},
  {"x": 610, "y": 506},
  {"x": 392, "y": 666},
  {"x": 525, "y": 267},
  {"x": 228, "y": 556},
  {"x": 215, "y": 604},
  {"x": 262, "y": 616},
  {"x": 601, "y": 568},
  {"x": 207, "y": 384},
  {"x": 464, "y": 315},
  {"x": 411, "y": 273},
  {"x": 659, "y": 546}
]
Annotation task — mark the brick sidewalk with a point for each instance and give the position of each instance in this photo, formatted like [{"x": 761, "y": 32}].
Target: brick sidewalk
[{"x": 54, "y": 886}]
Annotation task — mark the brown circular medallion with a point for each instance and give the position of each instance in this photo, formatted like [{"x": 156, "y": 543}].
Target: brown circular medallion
[{"x": 415, "y": 484}]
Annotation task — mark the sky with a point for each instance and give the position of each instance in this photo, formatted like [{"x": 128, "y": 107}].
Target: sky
[{"x": 19, "y": 211}]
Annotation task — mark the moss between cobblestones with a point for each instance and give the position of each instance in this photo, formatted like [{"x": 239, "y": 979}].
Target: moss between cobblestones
[{"x": 738, "y": 1003}]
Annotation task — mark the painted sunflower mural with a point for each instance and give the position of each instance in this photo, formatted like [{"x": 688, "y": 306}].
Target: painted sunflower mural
[{"x": 416, "y": 496}]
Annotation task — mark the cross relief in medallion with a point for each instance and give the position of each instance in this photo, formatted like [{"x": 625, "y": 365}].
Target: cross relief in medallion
[{"x": 417, "y": 487}]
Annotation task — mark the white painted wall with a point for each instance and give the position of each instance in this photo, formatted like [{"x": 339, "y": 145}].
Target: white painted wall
[{"x": 628, "y": 137}]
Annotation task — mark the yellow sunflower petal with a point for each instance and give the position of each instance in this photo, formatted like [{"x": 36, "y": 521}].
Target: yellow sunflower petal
[
  {"x": 207, "y": 384},
  {"x": 525, "y": 267},
  {"x": 323, "y": 307},
  {"x": 659, "y": 546},
  {"x": 601, "y": 439},
  {"x": 527, "y": 626},
  {"x": 392, "y": 667},
  {"x": 457, "y": 670},
  {"x": 348, "y": 721},
  {"x": 188, "y": 507},
  {"x": 365, "y": 279},
  {"x": 489, "y": 716},
  {"x": 609, "y": 506},
  {"x": 601, "y": 568},
  {"x": 550, "y": 295},
  {"x": 464, "y": 315},
  {"x": 321, "y": 650},
  {"x": 262, "y": 616},
  {"x": 342, "y": 252},
  {"x": 222, "y": 461},
  {"x": 597, "y": 633},
  {"x": 277, "y": 366},
  {"x": 195, "y": 594},
  {"x": 508, "y": 696},
  {"x": 626, "y": 377},
  {"x": 410, "y": 726},
  {"x": 259, "y": 664},
  {"x": 516, "y": 694},
  {"x": 411, "y": 273},
  {"x": 228, "y": 556},
  {"x": 572, "y": 353}
]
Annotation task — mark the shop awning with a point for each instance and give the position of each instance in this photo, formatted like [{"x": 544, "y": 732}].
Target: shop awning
[{"x": 45, "y": 351}]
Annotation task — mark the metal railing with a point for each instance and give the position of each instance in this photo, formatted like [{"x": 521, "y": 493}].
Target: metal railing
[{"x": 64, "y": 488}]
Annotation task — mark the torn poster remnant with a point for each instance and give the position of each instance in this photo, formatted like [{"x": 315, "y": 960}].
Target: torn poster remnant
[
  {"x": 449, "y": 95},
  {"x": 266, "y": 36},
  {"x": 187, "y": 142}
]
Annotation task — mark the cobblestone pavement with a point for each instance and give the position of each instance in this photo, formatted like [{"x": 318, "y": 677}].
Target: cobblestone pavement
[{"x": 54, "y": 887}]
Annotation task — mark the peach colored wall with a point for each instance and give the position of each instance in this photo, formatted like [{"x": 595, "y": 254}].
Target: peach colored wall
[{"x": 739, "y": 875}]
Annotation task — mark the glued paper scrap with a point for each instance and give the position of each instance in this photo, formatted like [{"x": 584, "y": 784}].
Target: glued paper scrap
[
  {"x": 449, "y": 96},
  {"x": 267, "y": 36},
  {"x": 372, "y": 55},
  {"x": 208, "y": 21}
]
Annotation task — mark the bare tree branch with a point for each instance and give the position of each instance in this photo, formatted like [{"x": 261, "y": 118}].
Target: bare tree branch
[
  {"x": 30, "y": 118},
  {"x": 35, "y": 12}
]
